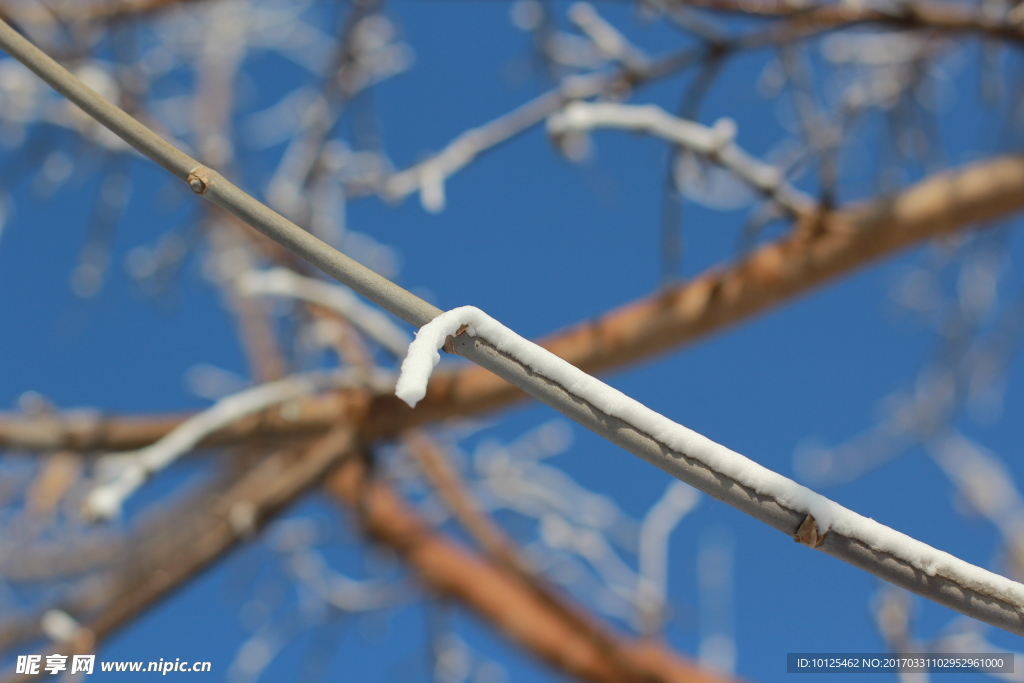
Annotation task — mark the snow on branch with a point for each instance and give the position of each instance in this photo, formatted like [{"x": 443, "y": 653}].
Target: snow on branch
[
  {"x": 715, "y": 143},
  {"x": 133, "y": 468},
  {"x": 608, "y": 40},
  {"x": 652, "y": 588},
  {"x": 823, "y": 516},
  {"x": 428, "y": 177},
  {"x": 368, "y": 320}
]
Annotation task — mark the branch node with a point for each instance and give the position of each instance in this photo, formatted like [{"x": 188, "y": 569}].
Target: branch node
[
  {"x": 199, "y": 179},
  {"x": 449, "y": 342},
  {"x": 807, "y": 534}
]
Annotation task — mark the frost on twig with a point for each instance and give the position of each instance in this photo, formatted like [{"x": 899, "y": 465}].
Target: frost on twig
[
  {"x": 582, "y": 536},
  {"x": 677, "y": 502},
  {"x": 715, "y": 143},
  {"x": 132, "y": 469},
  {"x": 367, "y": 319},
  {"x": 829, "y": 516},
  {"x": 429, "y": 176},
  {"x": 606, "y": 38},
  {"x": 320, "y": 593}
]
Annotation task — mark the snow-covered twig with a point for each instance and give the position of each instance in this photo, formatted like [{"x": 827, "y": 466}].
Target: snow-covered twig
[
  {"x": 678, "y": 500},
  {"x": 986, "y": 483},
  {"x": 133, "y": 468},
  {"x": 606, "y": 38},
  {"x": 592, "y": 547},
  {"x": 369, "y": 320},
  {"x": 715, "y": 143},
  {"x": 731, "y": 477},
  {"x": 340, "y": 591},
  {"x": 428, "y": 177}
]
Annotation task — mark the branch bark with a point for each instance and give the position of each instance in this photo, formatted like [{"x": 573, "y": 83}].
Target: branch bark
[
  {"x": 112, "y": 10},
  {"x": 819, "y": 248},
  {"x": 163, "y": 562},
  {"x": 814, "y": 254},
  {"x": 818, "y": 251},
  {"x": 501, "y": 598},
  {"x": 563, "y": 635},
  {"x": 938, "y": 16}
]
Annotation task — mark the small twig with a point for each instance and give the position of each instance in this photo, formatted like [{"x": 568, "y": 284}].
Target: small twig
[
  {"x": 606, "y": 38},
  {"x": 198, "y": 538},
  {"x": 217, "y": 188},
  {"x": 652, "y": 588},
  {"x": 715, "y": 143},
  {"x": 285, "y": 282},
  {"x": 134, "y": 468},
  {"x": 428, "y": 176}
]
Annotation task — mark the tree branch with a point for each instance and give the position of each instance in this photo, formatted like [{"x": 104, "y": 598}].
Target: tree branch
[
  {"x": 111, "y": 10},
  {"x": 500, "y": 598},
  {"x": 165, "y": 562},
  {"x": 939, "y": 16},
  {"x": 727, "y": 295},
  {"x": 762, "y": 494},
  {"x": 773, "y": 274}
]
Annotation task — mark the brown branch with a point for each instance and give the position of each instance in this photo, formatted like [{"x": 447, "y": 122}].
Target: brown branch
[
  {"x": 75, "y": 11},
  {"x": 263, "y": 492},
  {"x": 442, "y": 475},
  {"x": 561, "y": 634},
  {"x": 182, "y": 548},
  {"x": 500, "y": 598},
  {"x": 817, "y": 252},
  {"x": 947, "y": 17},
  {"x": 500, "y": 549}
]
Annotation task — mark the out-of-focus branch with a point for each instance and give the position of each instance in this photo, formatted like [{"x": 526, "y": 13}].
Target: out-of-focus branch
[
  {"x": 134, "y": 468},
  {"x": 773, "y": 274},
  {"x": 501, "y": 598},
  {"x": 106, "y": 10},
  {"x": 939, "y": 16},
  {"x": 815, "y": 253},
  {"x": 287, "y": 283},
  {"x": 440, "y": 472},
  {"x": 429, "y": 176},
  {"x": 715, "y": 143},
  {"x": 499, "y": 548},
  {"x": 165, "y": 561},
  {"x": 498, "y": 596}
]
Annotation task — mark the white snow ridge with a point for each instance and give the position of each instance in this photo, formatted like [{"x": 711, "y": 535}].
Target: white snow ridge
[{"x": 423, "y": 356}]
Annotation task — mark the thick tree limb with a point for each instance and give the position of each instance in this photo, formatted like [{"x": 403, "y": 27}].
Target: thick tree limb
[
  {"x": 773, "y": 274},
  {"x": 164, "y": 561},
  {"x": 812, "y": 255},
  {"x": 109, "y": 10},
  {"x": 500, "y": 597},
  {"x": 951, "y": 17},
  {"x": 562, "y": 635}
]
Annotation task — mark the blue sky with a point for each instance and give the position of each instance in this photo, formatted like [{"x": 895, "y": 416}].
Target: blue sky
[{"x": 539, "y": 243}]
